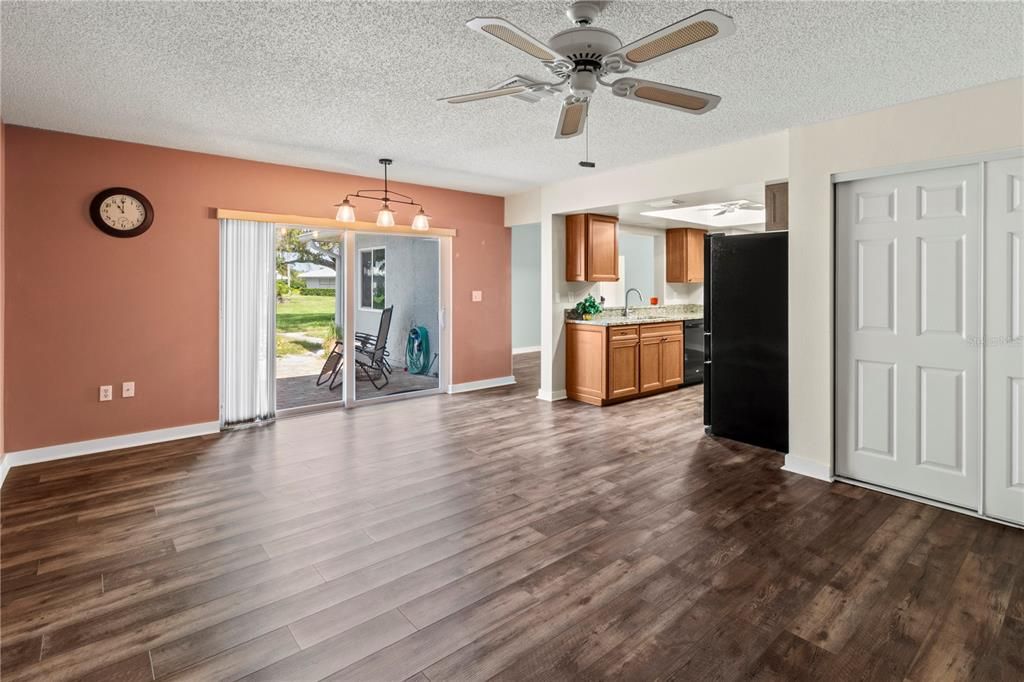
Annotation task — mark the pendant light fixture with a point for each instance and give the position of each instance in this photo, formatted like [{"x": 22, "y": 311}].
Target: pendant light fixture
[
  {"x": 385, "y": 215},
  {"x": 421, "y": 221}
]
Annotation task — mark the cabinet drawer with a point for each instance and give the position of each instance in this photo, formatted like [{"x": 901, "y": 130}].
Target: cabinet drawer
[
  {"x": 623, "y": 332},
  {"x": 663, "y": 329}
]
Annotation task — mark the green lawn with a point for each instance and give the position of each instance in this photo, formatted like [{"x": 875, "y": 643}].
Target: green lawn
[{"x": 312, "y": 315}]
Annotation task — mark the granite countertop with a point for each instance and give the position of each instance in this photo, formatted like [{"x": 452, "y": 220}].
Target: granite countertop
[
  {"x": 615, "y": 316},
  {"x": 621, "y": 321}
]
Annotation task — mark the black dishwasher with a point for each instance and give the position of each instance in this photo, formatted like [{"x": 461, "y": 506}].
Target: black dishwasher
[{"x": 693, "y": 351}]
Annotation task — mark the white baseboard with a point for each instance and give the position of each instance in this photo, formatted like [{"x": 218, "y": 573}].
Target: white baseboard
[
  {"x": 807, "y": 467},
  {"x": 5, "y": 466},
  {"x": 89, "y": 447},
  {"x": 525, "y": 349},
  {"x": 482, "y": 384},
  {"x": 551, "y": 396}
]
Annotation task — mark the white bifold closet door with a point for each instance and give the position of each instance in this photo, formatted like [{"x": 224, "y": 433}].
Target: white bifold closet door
[
  {"x": 908, "y": 316},
  {"x": 1004, "y": 340}
]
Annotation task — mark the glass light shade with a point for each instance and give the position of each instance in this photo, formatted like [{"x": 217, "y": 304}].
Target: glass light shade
[
  {"x": 346, "y": 212},
  {"x": 385, "y": 217},
  {"x": 421, "y": 221}
]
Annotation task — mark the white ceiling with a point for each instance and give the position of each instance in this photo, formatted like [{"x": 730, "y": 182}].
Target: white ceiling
[{"x": 337, "y": 85}]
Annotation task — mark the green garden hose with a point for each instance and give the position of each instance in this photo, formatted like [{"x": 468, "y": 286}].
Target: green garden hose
[{"x": 417, "y": 351}]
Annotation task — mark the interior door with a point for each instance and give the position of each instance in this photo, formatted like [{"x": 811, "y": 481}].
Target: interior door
[
  {"x": 908, "y": 307},
  {"x": 1004, "y": 340}
]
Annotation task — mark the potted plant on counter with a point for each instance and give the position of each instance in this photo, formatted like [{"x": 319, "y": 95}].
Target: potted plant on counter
[{"x": 588, "y": 307}]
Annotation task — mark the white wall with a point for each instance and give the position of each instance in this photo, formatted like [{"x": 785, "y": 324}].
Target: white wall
[
  {"x": 523, "y": 208},
  {"x": 986, "y": 118},
  {"x": 525, "y": 286}
]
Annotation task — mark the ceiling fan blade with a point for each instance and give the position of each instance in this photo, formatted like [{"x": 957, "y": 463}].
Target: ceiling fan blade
[
  {"x": 572, "y": 120},
  {"x": 752, "y": 207},
  {"x": 485, "y": 94},
  {"x": 722, "y": 212},
  {"x": 680, "y": 99},
  {"x": 701, "y": 28},
  {"x": 510, "y": 34}
]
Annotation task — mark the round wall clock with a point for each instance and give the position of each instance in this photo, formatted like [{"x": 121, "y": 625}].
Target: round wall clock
[{"x": 121, "y": 212}]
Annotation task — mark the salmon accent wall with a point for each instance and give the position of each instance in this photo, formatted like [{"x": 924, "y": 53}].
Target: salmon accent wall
[
  {"x": 84, "y": 309},
  {"x": 3, "y": 233}
]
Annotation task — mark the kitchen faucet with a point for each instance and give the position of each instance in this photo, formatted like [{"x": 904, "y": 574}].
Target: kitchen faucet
[{"x": 626, "y": 313}]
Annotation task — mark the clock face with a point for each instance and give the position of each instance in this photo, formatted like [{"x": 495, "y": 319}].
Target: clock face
[{"x": 122, "y": 212}]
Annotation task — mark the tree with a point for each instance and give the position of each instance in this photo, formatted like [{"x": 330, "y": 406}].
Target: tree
[{"x": 292, "y": 249}]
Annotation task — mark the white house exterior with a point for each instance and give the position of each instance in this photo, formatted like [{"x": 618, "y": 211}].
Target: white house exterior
[{"x": 318, "y": 278}]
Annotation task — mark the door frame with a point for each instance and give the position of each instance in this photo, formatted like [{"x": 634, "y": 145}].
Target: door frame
[
  {"x": 931, "y": 164},
  {"x": 444, "y": 360}
]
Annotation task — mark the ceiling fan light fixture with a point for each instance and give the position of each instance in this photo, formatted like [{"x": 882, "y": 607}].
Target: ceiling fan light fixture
[
  {"x": 346, "y": 212},
  {"x": 421, "y": 221},
  {"x": 385, "y": 216}
]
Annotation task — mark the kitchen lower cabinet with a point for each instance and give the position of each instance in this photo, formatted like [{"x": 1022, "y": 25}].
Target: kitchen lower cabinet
[{"x": 609, "y": 364}]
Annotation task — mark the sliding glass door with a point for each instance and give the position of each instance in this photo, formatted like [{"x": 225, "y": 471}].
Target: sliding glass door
[
  {"x": 359, "y": 316},
  {"x": 397, "y": 296},
  {"x": 310, "y": 274}
]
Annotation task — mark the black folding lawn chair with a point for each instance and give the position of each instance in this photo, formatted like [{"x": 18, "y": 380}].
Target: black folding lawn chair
[{"x": 371, "y": 357}]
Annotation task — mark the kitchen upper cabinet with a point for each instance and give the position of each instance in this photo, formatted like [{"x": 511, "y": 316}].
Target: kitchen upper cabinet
[
  {"x": 607, "y": 364},
  {"x": 684, "y": 255},
  {"x": 591, "y": 248},
  {"x": 776, "y": 206}
]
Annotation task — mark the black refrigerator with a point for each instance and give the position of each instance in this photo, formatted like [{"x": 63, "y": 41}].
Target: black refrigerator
[{"x": 746, "y": 345}]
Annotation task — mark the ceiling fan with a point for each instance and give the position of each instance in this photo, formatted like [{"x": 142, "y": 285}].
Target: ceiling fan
[
  {"x": 734, "y": 206},
  {"x": 582, "y": 57}
]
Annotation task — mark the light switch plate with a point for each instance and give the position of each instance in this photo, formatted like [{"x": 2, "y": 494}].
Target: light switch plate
[
  {"x": 128, "y": 389},
  {"x": 478, "y": 296},
  {"x": 106, "y": 393}
]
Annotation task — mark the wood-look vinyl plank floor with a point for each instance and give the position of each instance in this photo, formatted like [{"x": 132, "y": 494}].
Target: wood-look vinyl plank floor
[{"x": 491, "y": 535}]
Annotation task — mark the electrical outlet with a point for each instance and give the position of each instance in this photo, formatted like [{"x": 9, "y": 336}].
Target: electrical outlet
[
  {"x": 128, "y": 389},
  {"x": 478, "y": 296},
  {"x": 106, "y": 393}
]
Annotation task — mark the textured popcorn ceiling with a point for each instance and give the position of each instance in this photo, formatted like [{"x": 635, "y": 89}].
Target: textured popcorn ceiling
[{"x": 337, "y": 85}]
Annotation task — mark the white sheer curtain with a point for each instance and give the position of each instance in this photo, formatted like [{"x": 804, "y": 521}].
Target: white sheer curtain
[{"x": 247, "y": 306}]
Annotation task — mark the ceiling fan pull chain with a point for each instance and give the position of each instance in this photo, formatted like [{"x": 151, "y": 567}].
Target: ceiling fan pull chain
[{"x": 586, "y": 141}]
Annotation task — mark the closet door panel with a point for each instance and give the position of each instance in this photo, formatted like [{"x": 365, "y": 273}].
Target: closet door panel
[
  {"x": 1004, "y": 340},
  {"x": 908, "y": 303}
]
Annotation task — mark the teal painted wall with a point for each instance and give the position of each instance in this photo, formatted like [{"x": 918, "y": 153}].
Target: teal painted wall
[
  {"x": 637, "y": 252},
  {"x": 525, "y": 286}
]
